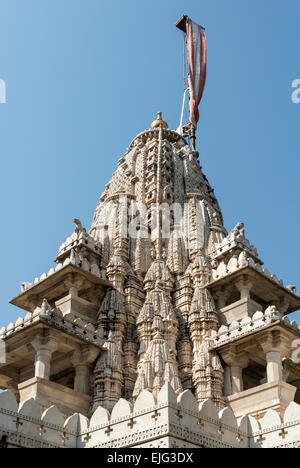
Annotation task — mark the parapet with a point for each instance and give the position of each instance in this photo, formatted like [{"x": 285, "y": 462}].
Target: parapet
[{"x": 163, "y": 422}]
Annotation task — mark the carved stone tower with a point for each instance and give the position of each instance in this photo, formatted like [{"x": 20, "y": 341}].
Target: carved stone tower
[
  {"x": 150, "y": 314},
  {"x": 160, "y": 271}
]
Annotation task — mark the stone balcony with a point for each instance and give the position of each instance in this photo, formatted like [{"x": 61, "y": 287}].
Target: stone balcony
[
  {"x": 47, "y": 393},
  {"x": 257, "y": 401},
  {"x": 238, "y": 310}
]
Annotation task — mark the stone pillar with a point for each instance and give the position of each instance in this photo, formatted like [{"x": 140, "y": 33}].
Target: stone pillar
[
  {"x": 236, "y": 362},
  {"x": 43, "y": 363},
  {"x": 82, "y": 379},
  {"x": 275, "y": 345},
  {"x": 44, "y": 347},
  {"x": 274, "y": 366},
  {"x": 227, "y": 382},
  {"x": 237, "y": 384},
  {"x": 82, "y": 362},
  {"x": 244, "y": 286},
  {"x": 221, "y": 296}
]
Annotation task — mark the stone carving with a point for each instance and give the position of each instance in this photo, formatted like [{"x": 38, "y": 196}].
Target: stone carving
[
  {"x": 158, "y": 365},
  {"x": 79, "y": 228},
  {"x": 259, "y": 320},
  {"x": 55, "y": 318},
  {"x": 107, "y": 380},
  {"x": 152, "y": 335},
  {"x": 150, "y": 419},
  {"x": 238, "y": 230}
]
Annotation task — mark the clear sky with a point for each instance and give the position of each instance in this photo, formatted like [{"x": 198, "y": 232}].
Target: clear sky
[{"x": 84, "y": 77}]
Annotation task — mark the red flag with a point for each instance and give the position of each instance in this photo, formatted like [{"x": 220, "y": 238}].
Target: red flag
[{"x": 197, "y": 66}]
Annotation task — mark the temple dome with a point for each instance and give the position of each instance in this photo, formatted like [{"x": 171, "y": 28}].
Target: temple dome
[{"x": 159, "y": 122}]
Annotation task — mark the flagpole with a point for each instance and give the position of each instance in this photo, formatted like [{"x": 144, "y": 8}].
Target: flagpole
[
  {"x": 193, "y": 137},
  {"x": 197, "y": 70},
  {"x": 181, "y": 24}
]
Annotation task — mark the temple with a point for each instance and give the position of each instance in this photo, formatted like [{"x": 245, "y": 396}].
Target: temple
[{"x": 155, "y": 328}]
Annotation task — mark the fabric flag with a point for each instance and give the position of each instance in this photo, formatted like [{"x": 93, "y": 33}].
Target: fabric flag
[{"x": 197, "y": 66}]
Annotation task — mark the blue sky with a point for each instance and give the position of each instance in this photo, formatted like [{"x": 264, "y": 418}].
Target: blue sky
[{"x": 85, "y": 76}]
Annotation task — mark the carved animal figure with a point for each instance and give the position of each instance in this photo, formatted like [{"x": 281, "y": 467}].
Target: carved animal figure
[
  {"x": 79, "y": 228},
  {"x": 239, "y": 229}
]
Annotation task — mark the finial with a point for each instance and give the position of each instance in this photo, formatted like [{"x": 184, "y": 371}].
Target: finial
[{"x": 159, "y": 122}]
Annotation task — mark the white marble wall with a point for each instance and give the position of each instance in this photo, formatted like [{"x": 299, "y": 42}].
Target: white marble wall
[{"x": 165, "y": 422}]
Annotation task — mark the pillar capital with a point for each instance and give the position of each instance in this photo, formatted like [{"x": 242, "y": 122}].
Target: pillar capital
[
  {"x": 221, "y": 295},
  {"x": 236, "y": 362},
  {"x": 234, "y": 358},
  {"x": 282, "y": 304},
  {"x": 44, "y": 343},
  {"x": 85, "y": 357},
  {"x": 274, "y": 342},
  {"x": 244, "y": 285},
  {"x": 243, "y": 281},
  {"x": 82, "y": 360}
]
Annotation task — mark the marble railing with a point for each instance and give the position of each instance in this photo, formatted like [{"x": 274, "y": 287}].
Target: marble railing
[
  {"x": 68, "y": 323},
  {"x": 149, "y": 422},
  {"x": 259, "y": 320},
  {"x": 237, "y": 262}
]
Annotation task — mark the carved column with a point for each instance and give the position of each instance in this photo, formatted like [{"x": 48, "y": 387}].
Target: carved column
[
  {"x": 275, "y": 346},
  {"x": 244, "y": 286},
  {"x": 83, "y": 363},
  {"x": 237, "y": 384},
  {"x": 82, "y": 379},
  {"x": 236, "y": 362},
  {"x": 221, "y": 296},
  {"x": 227, "y": 382},
  {"x": 274, "y": 366},
  {"x": 44, "y": 347},
  {"x": 43, "y": 363}
]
